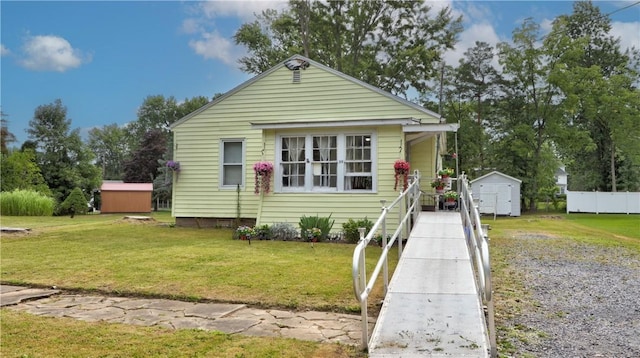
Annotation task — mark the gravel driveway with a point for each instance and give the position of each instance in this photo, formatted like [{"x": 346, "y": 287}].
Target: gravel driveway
[{"x": 584, "y": 300}]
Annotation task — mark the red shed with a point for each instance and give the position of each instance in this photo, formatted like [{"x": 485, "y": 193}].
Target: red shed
[{"x": 126, "y": 197}]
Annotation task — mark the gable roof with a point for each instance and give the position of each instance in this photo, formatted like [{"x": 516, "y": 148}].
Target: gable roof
[
  {"x": 495, "y": 172},
  {"x": 298, "y": 59}
]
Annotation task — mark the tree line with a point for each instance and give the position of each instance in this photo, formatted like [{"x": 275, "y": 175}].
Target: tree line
[
  {"x": 55, "y": 160},
  {"x": 524, "y": 107}
]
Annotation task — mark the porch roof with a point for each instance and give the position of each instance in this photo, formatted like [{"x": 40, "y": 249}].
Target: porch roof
[{"x": 343, "y": 123}]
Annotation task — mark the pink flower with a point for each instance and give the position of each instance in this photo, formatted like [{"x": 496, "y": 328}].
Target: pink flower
[{"x": 263, "y": 172}]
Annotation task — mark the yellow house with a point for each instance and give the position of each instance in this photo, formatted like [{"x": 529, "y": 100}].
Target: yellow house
[{"x": 332, "y": 140}]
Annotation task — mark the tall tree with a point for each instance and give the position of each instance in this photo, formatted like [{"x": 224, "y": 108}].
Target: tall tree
[
  {"x": 389, "y": 44},
  {"x": 476, "y": 83},
  {"x": 6, "y": 137},
  {"x": 158, "y": 112},
  {"x": 143, "y": 165},
  {"x": 63, "y": 158},
  {"x": 529, "y": 116},
  {"x": 19, "y": 170},
  {"x": 600, "y": 86},
  {"x": 110, "y": 146}
]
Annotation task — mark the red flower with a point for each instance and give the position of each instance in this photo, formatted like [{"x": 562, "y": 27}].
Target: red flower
[{"x": 401, "y": 169}]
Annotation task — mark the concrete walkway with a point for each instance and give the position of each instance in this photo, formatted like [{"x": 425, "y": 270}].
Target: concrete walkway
[{"x": 229, "y": 318}]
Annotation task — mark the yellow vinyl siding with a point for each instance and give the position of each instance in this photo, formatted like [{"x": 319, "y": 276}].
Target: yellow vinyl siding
[
  {"x": 320, "y": 96},
  {"x": 423, "y": 158}
]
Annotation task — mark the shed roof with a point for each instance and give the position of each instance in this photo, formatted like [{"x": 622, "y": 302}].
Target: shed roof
[
  {"x": 111, "y": 186},
  {"x": 496, "y": 173}
]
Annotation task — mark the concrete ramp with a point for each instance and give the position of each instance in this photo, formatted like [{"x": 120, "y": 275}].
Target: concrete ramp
[{"x": 432, "y": 308}]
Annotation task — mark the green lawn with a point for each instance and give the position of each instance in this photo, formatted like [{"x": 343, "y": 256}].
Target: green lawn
[
  {"x": 26, "y": 335},
  {"x": 104, "y": 253},
  {"x": 107, "y": 254}
]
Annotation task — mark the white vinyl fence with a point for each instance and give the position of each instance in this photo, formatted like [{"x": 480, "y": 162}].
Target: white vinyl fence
[{"x": 603, "y": 202}]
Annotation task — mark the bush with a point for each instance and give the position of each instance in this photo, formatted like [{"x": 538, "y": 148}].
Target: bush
[
  {"x": 26, "y": 203},
  {"x": 350, "y": 229},
  {"x": 262, "y": 232},
  {"x": 283, "y": 231},
  {"x": 309, "y": 222},
  {"x": 75, "y": 203}
]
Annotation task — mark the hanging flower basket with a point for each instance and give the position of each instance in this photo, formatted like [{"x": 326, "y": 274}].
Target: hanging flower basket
[
  {"x": 264, "y": 171},
  {"x": 173, "y": 166},
  {"x": 401, "y": 169}
]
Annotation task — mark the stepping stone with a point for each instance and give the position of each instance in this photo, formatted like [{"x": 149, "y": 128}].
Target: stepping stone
[{"x": 15, "y": 296}]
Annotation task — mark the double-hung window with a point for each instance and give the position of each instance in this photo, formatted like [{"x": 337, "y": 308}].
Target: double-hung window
[
  {"x": 231, "y": 163},
  {"x": 326, "y": 163}
]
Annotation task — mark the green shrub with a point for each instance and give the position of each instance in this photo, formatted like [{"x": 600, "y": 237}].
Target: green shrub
[
  {"x": 75, "y": 203},
  {"x": 262, "y": 232},
  {"x": 283, "y": 231},
  {"x": 26, "y": 203},
  {"x": 350, "y": 229},
  {"x": 325, "y": 224}
]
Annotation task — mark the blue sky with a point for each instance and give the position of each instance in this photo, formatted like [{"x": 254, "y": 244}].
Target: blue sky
[{"x": 102, "y": 59}]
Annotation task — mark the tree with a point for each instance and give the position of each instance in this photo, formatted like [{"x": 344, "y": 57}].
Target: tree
[
  {"x": 468, "y": 94},
  {"x": 158, "y": 112},
  {"x": 110, "y": 146},
  {"x": 19, "y": 170},
  {"x": 63, "y": 158},
  {"x": 143, "y": 165},
  {"x": 75, "y": 203},
  {"x": 6, "y": 137},
  {"x": 388, "y": 44},
  {"x": 599, "y": 82},
  {"x": 528, "y": 114}
]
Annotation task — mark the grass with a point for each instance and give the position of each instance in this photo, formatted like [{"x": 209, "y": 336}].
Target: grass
[
  {"x": 106, "y": 254},
  {"x": 26, "y": 202},
  {"x": 560, "y": 230},
  {"x": 25, "y": 335}
]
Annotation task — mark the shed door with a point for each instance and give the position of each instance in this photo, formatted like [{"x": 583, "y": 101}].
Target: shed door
[
  {"x": 488, "y": 194},
  {"x": 495, "y": 199},
  {"x": 504, "y": 199}
]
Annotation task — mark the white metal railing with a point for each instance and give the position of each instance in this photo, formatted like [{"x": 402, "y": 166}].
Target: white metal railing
[
  {"x": 408, "y": 204},
  {"x": 477, "y": 238}
]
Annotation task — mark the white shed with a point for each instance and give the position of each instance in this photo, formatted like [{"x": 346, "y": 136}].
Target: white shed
[{"x": 497, "y": 193}]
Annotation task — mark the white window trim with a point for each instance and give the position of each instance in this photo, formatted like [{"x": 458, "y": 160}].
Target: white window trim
[
  {"x": 341, "y": 146},
  {"x": 221, "y": 163}
]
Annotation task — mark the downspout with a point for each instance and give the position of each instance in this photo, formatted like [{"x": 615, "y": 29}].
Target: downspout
[{"x": 260, "y": 200}]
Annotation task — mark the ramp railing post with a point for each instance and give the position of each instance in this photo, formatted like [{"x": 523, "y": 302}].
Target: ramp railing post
[
  {"x": 385, "y": 270},
  {"x": 363, "y": 303}
]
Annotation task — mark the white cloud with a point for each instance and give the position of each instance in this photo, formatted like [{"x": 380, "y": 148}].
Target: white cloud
[
  {"x": 191, "y": 26},
  {"x": 245, "y": 9},
  {"x": 476, "y": 32},
  {"x": 4, "y": 51},
  {"x": 51, "y": 53},
  {"x": 208, "y": 41},
  {"x": 628, "y": 32},
  {"x": 213, "y": 46}
]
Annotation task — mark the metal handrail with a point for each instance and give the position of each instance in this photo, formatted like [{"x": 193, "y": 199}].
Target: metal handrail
[
  {"x": 477, "y": 238},
  {"x": 361, "y": 286}
]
